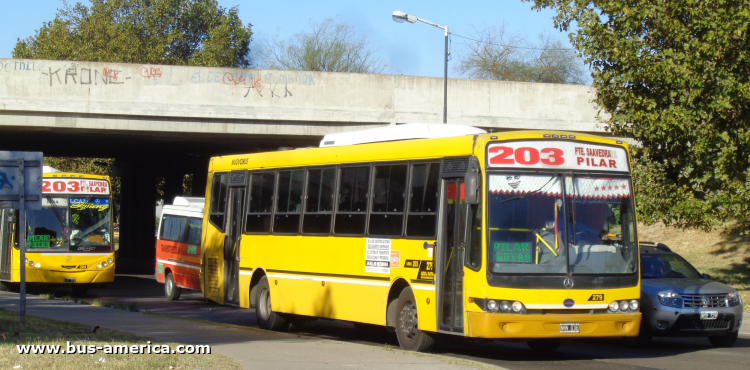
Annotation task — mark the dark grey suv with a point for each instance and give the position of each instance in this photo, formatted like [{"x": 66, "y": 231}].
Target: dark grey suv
[{"x": 676, "y": 300}]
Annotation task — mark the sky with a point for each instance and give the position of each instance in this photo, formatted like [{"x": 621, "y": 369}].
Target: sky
[{"x": 410, "y": 49}]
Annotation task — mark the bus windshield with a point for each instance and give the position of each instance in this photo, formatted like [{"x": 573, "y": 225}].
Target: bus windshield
[
  {"x": 553, "y": 224},
  {"x": 70, "y": 224}
]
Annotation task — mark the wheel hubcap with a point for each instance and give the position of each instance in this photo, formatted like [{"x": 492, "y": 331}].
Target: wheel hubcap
[
  {"x": 169, "y": 287},
  {"x": 408, "y": 320},
  {"x": 265, "y": 306}
]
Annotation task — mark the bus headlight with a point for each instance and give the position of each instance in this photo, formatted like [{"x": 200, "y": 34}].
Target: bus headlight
[
  {"x": 104, "y": 264},
  {"x": 505, "y": 306},
  {"x": 37, "y": 265},
  {"x": 98, "y": 265},
  {"x": 634, "y": 305},
  {"x": 31, "y": 263},
  {"x": 109, "y": 261},
  {"x": 492, "y": 305},
  {"x": 624, "y": 305},
  {"x": 518, "y": 307},
  {"x": 614, "y": 306}
]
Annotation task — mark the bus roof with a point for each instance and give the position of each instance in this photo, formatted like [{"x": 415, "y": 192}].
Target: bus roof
[
  {"x": 409, "y": 131},
  {"x": 195, "y": 202}
]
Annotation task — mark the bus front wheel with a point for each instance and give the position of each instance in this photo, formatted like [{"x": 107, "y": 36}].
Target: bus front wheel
[
  {"x": 410, "y": 338},
  {"x": 171, "y": 290},
  {"x": 267, "y": 318}
]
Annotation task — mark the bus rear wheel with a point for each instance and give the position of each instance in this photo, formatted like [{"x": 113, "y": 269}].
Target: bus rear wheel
[
  {"x": 171, "y": 290},
  {"x": 410, "y": 338},
  {"x": 267, "y": 318}
]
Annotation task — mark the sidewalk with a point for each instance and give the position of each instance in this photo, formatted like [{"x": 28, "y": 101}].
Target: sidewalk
[{"x": 251, "y": 347}]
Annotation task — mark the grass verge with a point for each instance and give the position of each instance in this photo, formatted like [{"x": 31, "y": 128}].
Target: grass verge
[{"x": 43, "y": 331}]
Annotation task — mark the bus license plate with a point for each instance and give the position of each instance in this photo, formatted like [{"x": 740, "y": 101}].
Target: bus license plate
[
  {"x": 70, "y": 280},
  {"x": 709, "y": 315},
  {"x": 570, "y": 328}
]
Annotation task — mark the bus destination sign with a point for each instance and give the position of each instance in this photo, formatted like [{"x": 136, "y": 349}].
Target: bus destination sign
[
  {"x": 564, "y": 155},
  {"x": 75, "y": 186}
]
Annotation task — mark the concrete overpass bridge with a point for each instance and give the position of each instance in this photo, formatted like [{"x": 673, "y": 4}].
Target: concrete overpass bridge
[{"x": 160, "y": 120}]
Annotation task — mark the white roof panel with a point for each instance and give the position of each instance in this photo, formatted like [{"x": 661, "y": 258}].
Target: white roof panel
[{"x": 410, "y": 131}]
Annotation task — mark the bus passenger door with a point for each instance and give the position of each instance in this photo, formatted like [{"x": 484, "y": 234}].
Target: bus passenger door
[
  {"x": 235, "y": 212},
  {"x": 450, "y": 254}
]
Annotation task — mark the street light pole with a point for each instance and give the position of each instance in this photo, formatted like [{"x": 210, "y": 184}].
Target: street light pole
[{"x": 400, "y": 17}]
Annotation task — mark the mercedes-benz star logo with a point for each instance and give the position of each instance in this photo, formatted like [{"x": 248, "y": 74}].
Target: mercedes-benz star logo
[{"x": 568, "y": 282}]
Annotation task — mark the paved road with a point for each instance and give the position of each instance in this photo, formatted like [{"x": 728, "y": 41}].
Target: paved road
[{"x": 664, "y": 353}]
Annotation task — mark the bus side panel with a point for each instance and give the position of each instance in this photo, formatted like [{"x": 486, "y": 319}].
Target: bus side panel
[
  {"x": 213, "y": 262},
  {"x": 302, "y": 264},
  {"x": 176, "y": 257}
]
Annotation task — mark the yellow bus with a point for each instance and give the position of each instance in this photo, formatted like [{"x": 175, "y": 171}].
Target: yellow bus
[
  {"x": 428, "y": 229},
  {"x": 68, "y": 241}
]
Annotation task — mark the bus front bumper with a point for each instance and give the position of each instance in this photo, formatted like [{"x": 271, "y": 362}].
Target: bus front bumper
[
  {"x": 58, "y": 277},
  {"x": 499, "y": 325}
]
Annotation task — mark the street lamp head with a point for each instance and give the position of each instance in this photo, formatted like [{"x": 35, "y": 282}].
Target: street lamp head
[{"x": 400, "y": 17}]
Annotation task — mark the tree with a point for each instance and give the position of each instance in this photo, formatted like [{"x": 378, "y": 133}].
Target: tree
[
  {"x": 675, "y": 75},
  {"x": 176, "y": 32},
  {"x": 495, "y": 56},
  {"x": 327, "y": 47}
]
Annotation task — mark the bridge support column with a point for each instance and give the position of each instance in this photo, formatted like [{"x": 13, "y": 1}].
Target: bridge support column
[{"x": 137, "y": 219}]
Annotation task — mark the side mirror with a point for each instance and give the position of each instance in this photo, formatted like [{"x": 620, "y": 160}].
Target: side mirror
[
  {"x": 706, "y": 276},
  {"x": 472, "y": 181}
]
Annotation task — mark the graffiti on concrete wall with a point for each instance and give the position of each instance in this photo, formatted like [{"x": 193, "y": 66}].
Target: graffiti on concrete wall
[
  {"x": 10, "y": 65},
  {"x": 249, "y": 83},
  {"x": 76, "y": 75}
]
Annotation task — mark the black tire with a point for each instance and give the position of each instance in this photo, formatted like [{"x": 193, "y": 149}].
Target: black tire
[
  {"x": 410, "y": 338},
  {"x": 724, "y": 341},
  {"x": 171, "y": 290},
  {"x": 543, "y": 345},
  {"x": 80, "y": 290},
  {"x": 267, "y": 318}
]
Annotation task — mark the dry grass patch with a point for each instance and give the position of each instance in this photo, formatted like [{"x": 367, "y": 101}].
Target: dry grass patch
[
  {"x": 723, "y": 253},
  {"x": 43, "y": 331}
]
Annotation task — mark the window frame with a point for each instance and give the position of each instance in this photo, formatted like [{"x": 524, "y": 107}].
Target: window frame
[
  {"x": 371, "y": 200},
  {"x": 333, "y": 200},
  {"x": 248, "y": 195},
  {"x": 277, "y": 197},
  {"x": 337, "y": 198},
  {"x": 436, "y": 213},
  {"x": 211, "y": 211}
]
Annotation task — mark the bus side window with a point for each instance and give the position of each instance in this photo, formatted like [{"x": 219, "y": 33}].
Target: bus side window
[
  {"x": 195, "y": 225},
  {"x": 321, "y": 184},
  {"x": 421, "y": 221},
  {"x": 173, "y": 228},
  {"x": 289, "y": 205},
  {"x": 389, "y": 198},
  {"x": 260, "y": 202},
  {"x": 351, "y": 209},
  {"x": 218, "y": 199}
]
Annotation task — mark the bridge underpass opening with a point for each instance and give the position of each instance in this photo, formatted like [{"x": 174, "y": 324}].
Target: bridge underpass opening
[{"x": 141, "y": 159}]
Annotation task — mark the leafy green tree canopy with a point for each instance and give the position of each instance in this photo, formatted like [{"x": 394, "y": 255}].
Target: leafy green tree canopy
[
  {"x": 674, "y": 75},
  {"x": 494, "y": 55},
  {"x": 176, "y": 32},
  {"x": 327, "y": 47}
]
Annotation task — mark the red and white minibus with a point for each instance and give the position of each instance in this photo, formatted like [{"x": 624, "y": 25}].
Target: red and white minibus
[{"x": 178, "y": 246}]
